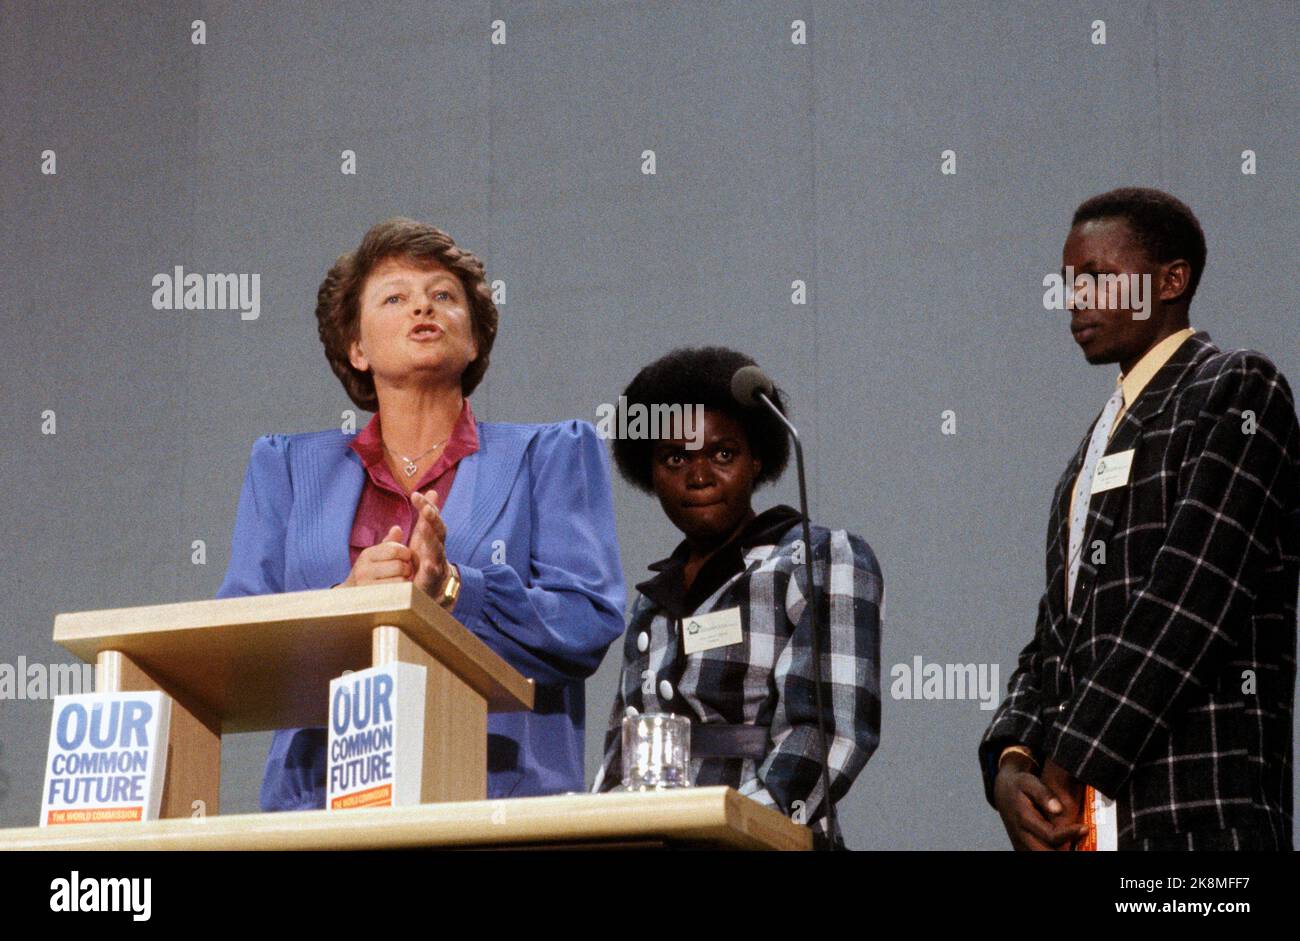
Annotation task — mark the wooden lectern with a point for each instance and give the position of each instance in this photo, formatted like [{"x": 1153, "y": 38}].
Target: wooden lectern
[{"x": 265, "y": 662}]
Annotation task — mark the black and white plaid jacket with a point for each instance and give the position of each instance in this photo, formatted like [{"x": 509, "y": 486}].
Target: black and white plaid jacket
[
  {"x": 767, "y": 679},
  {"x": 1170, "y": 684}
]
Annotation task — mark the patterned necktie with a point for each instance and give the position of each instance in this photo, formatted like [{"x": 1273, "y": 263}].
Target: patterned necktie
[
  {"x": 1083, "y": 486},
  {"x": 1099, "y": 810}
]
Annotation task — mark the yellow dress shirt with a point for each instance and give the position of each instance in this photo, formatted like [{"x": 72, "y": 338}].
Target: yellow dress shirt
[{"x": 1131, "y": 387}]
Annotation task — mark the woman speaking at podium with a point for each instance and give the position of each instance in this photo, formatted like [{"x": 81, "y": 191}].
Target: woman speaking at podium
[{"x": 509, "y": 526}]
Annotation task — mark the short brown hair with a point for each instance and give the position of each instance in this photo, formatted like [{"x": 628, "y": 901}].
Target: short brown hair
[{"x": 338, "y": 301}]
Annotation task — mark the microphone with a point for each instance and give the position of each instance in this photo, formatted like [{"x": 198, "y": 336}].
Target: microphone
[
  {"x": 747, "y": 383},
  {"x": 751, "y": 387}
]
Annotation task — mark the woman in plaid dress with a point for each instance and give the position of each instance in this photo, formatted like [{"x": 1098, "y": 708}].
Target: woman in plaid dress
[{"x": 721, "y": 632}]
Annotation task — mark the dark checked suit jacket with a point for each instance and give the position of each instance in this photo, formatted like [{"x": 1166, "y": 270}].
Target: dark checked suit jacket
[{"x": 1170, "y": 684}]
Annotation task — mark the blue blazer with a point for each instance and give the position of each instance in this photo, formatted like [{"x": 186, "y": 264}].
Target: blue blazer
[{"x": 530, "y": 526}]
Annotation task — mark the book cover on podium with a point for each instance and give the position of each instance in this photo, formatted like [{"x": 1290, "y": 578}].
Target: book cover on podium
[
  {"x": 376, "y": 737},
  {"x": 106, "y": 758}
]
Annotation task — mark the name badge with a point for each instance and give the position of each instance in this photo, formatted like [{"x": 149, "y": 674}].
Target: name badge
[
  {"x": 716, "y": 629},
  {"x": 1112, "y": 471}
]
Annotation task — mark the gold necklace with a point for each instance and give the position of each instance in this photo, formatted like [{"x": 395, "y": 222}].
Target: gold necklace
[{"x": 409, "y": 463}]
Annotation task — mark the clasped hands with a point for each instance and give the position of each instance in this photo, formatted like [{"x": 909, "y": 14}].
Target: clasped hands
[
  {"x": 1039, "y": 812},
  {"x": 422, "y": 561}
]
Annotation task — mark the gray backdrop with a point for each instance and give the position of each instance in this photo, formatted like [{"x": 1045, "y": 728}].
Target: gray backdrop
[{"x": 775, "y": 162}]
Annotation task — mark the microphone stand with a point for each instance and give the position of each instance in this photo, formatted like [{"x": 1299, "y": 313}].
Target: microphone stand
[{"x": 832, "y": 819}]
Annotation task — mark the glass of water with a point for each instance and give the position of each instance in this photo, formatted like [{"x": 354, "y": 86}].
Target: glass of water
[{"x": 656, "y": 751}]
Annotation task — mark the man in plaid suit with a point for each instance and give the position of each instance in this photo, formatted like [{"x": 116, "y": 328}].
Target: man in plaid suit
[{"x": 1153, "y": 707}]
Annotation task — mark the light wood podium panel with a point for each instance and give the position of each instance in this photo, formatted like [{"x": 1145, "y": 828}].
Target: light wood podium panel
[
  {"x": 266, "y": 661},
  {"x": 701, "y": 818}
]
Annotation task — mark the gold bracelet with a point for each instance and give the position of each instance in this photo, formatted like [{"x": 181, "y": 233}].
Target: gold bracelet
[
  {"x": 1018, "y": 750},
  {"x": 450, "y": 589}
]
